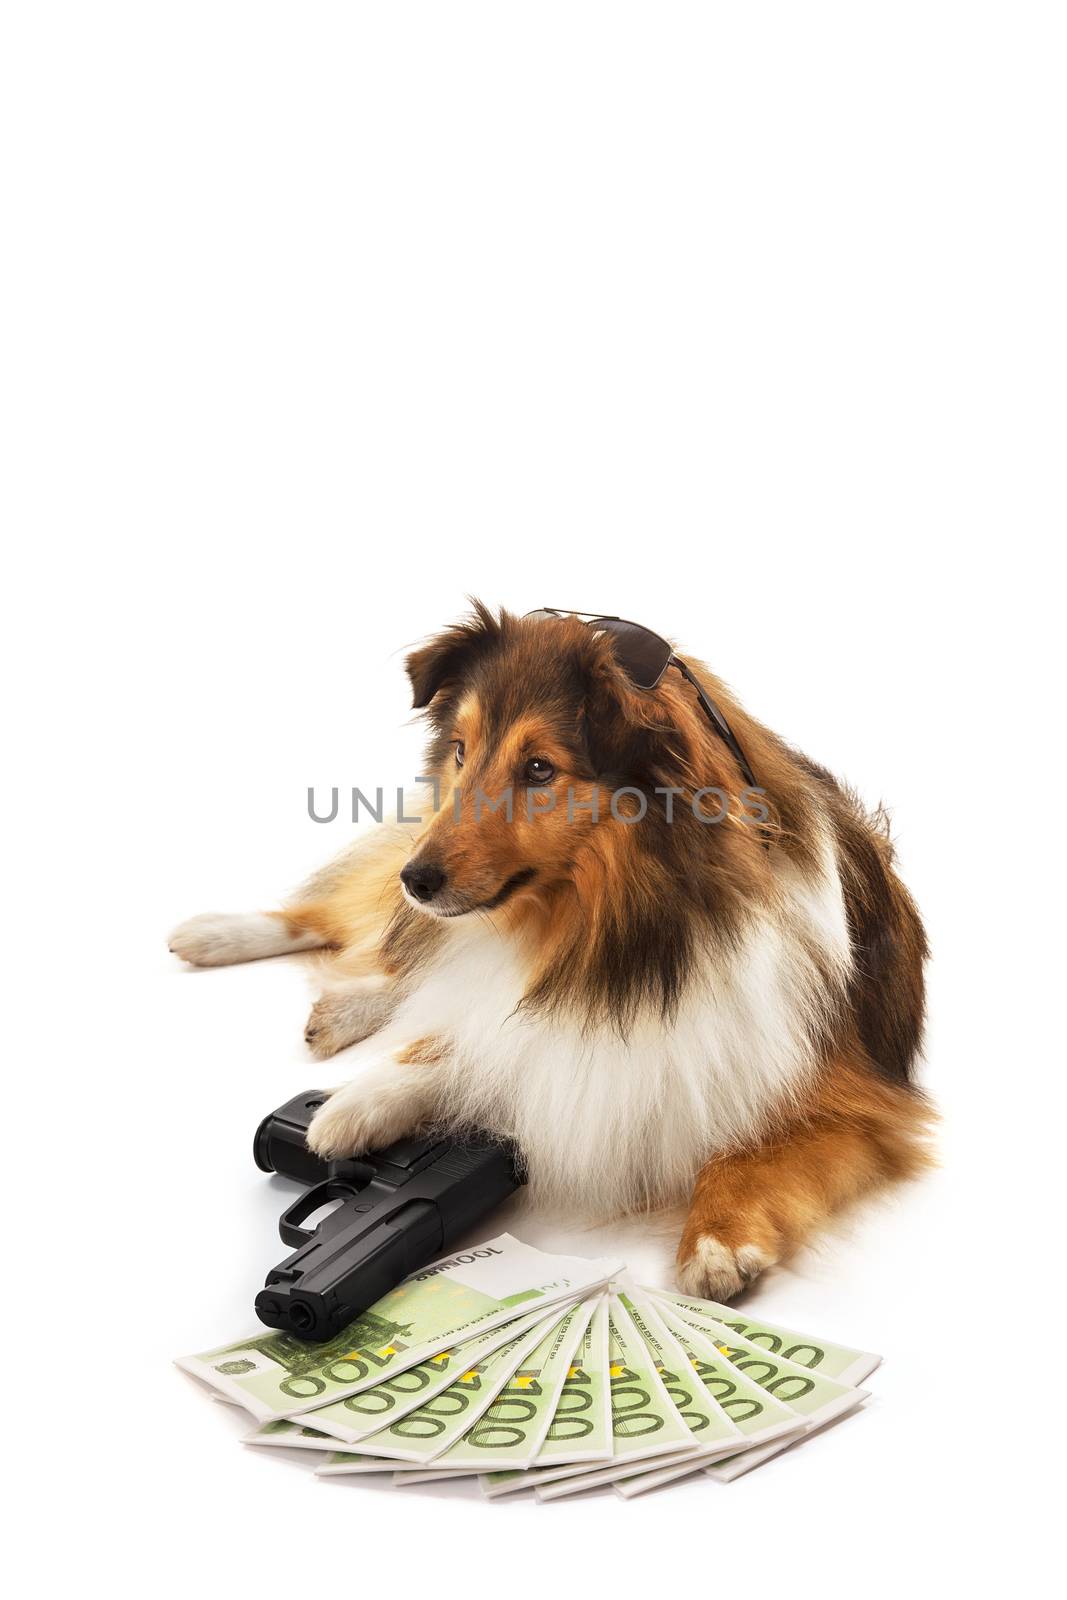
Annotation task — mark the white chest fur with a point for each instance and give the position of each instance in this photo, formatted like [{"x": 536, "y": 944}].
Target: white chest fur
[{"x": 610, "y": 1123}]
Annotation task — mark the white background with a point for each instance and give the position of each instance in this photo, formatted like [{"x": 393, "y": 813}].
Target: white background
[{"x": 745, "y": 321}]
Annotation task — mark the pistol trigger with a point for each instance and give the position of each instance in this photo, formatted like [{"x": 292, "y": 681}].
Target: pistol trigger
[{"x": 291, "y": 1223}]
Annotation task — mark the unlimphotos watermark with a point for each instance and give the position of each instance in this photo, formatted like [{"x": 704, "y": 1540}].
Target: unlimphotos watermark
[{"x": 626, "y": 804}]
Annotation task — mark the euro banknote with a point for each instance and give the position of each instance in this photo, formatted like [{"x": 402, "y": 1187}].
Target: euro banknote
[
  {"x": 512, "y": 1429},
  {"x": 805, "y": 1390},
  {"x": 289, "y": 1435},
  {"x": 755, "y": 1413},
  {"x": 458, "y": 1298},
  {"x": 340, "y": 1427},
  {"x": 838, "y": 1361},
  {"x": 425, "y": 1433},
  {"x": 516, "y": 1424},
  {"x": 698, "y": 1391},
  {"x": 580, "y": 1430},
  {"x": 526, "y": 1409},
  {"x": 760, "y": 1423},
  {"x": 360, "y": 1415},
  {"x": 710, "y": 1430},
  {"x": 645, "y": 1421},
  {"x": 574, "y": 1421},
  {"x": 813, "y": 1399},
  {"x": 722, "y": 1471},
  {"x": 764, "y": 1426},
  {"x": 286, "y": 1434}
]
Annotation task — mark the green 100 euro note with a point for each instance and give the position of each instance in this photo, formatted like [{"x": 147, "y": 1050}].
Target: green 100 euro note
[
  {"x": 838, "y": 1361},
  {"x": 712, "y": 1433},
  {"x": 425, "y": 1433},
  {"x": 513, "y": 1428},
  {"x": 809, "y": 1393},
  {"x": 812, "y": 1398},
  {"x": 580, "y": 1429},
  {"x": 273, "y": 1375},
  {"x": 359, "y": 1415},
  {"x": 645, "y": 1420}
]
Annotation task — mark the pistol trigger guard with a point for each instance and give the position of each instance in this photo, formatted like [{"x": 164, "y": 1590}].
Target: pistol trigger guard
[{"x": 291, "y": 1223}]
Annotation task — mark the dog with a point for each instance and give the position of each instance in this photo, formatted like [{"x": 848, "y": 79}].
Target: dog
[{"x": 660, "y": 997}]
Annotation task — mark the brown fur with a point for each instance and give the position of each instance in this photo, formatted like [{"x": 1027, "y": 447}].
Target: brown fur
[{"x": 854, "y": 1134}]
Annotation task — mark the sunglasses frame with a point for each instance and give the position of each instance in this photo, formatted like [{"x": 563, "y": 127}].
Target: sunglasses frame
[
  {"x": 707, "y": 704},
  {"x": 591, "y": 618}
]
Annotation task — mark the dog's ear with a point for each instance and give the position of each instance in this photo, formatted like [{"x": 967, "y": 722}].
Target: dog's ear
[
  {"x": 446, "y": 658},
  {"x": 620, "y": 719},
  {"x": 655, "y": 734}
]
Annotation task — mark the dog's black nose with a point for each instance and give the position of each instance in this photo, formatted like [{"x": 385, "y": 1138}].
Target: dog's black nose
[{"x": 422, "y": 879}]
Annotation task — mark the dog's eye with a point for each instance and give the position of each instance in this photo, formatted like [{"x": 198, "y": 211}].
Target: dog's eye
[
  {"x": 459, "y": 752},
  {"x": 538, "y": 770}
]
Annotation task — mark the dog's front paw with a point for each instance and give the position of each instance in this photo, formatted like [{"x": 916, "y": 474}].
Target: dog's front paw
[
  {"x": 218, "y": 939},
  {"x": 715, "y": 1271},
  {"x": 208, "y": 941},
  {"x": 322, "y": 1034},
  {"x": 343, "y": 1017},
  {"x": 351, "y": 1122}
]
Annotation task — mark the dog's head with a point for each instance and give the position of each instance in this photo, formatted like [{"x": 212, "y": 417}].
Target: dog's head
[{"x": 540, "y": 742}]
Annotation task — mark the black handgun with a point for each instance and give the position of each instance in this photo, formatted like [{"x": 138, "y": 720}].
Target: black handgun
[{"x": 401, "y": 1207}]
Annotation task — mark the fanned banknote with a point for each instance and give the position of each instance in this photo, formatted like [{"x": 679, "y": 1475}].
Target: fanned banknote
[
  {"x": 510, "y": 1433},
  {"x": 526, "y": 1370},
  {"x": 286, "y": 1435},
  {"x": 645, "y": 1421},
  {"x": 693, "y": 1406},
  {"x": 814, "y": 1399},
  {"x": 832, "y": 1360},
  {"x": 580, "y": 1430},
  {"x": 695, "y": 1389},
  {"x": 466, "y": 1294},
  {"x": 427, "y": 1432},
  {"x": 366, "y": 1412}
]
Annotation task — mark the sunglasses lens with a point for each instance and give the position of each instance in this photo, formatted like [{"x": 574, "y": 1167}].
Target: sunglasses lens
[{"x": 642, "y": 655}]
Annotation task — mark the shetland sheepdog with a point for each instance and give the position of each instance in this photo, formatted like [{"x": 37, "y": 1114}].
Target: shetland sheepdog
[{"x": 658, "y": 997}]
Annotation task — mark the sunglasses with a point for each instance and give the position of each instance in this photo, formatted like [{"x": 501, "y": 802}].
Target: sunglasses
[{"x": 644, "y": 657}]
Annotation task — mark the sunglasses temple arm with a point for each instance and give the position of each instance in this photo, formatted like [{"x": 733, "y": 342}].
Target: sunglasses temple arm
[{"x": 719, "y": 723}]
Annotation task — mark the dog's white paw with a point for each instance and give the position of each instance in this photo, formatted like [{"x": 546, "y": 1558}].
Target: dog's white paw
[
  {"x": 714, "y": 1271},
  {"x": 351, "y": 1122},
  {"x": 218, "y": 939},
  {"x": 207, "y": 941},
  {"x": 343, "y": 1017}
]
